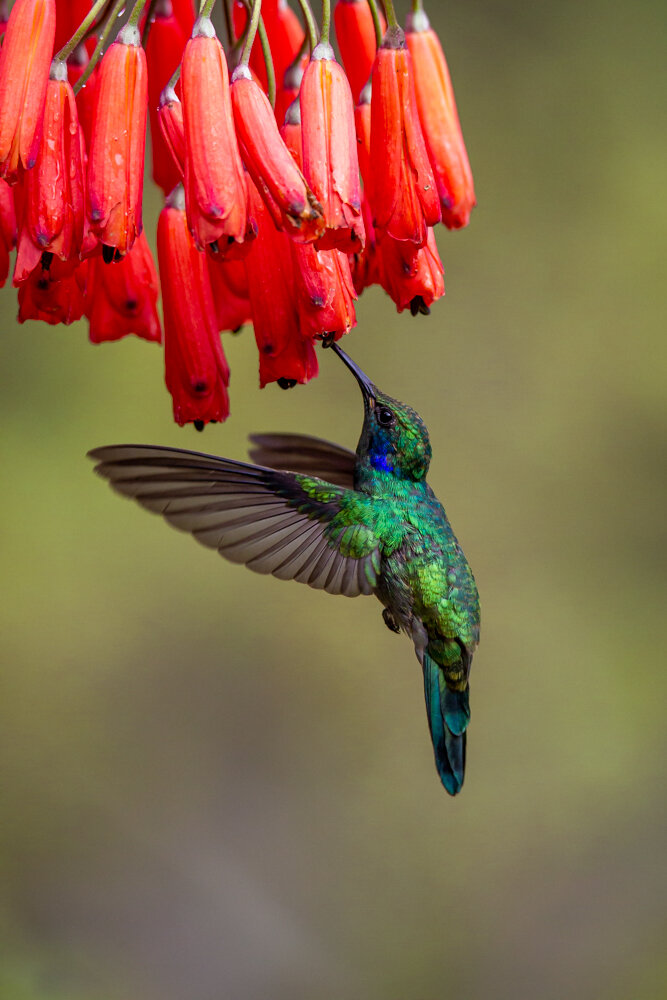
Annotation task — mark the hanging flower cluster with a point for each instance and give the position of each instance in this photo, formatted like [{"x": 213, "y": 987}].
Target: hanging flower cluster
[{"x": 291, "y": 182}]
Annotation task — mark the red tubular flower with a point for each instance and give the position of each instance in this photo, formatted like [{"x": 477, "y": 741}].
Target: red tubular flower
[
  {"x": 401, "y": 186},
  {"x": 440, "y": 122},
  {"x": 284, "y": 355},
  {"x": 355, "y": 33},
  {"x": 289, "y": 90},
  {"x": 69, "y": 15},
  {"x": 277, "y": 177},
  {"x": 196, "y": 372},
  {"x": 330, "y": 162},
  {"x": 7, "y": 229},
  {"x": 164, "y": 51},
  {"x": 86, "y": 99},
  {"x": 116, "y": 159},
  {"x": 53, "y": 207},
  {"x": 184, "y": 12},
  {"x": 121, "y": 298},
  {"x": 323, "y": 283},
  {"x": 284, "y": 32},
  {"x": 365, "y": 265},
  {"x": 170, "y": 123},
  {"x": 290, "y": 133},
  {"x": 229, "y": 282},
  {"x": 215, "y": 186},
  {"x": 25, "y": 59},
  {"x": 325, "y": 292},
  {"x": 53, "y": 293},
  {"x": 412, "y": 277},
  {"x": 362, "y": 127}
]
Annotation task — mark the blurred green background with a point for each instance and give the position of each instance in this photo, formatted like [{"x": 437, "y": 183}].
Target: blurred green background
[{"x": 216, "y": 785}]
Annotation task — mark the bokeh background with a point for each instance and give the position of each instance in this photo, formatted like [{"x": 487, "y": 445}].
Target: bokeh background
[{"x": 215, "y": 785}]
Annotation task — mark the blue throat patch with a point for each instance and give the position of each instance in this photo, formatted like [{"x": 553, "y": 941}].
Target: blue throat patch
[{"x": 381, "y": 461}]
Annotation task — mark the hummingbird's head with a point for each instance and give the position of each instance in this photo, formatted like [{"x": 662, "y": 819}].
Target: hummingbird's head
[{"x": 394, "y": 438}]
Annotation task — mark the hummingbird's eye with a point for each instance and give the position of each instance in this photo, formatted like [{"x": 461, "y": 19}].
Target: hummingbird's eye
[{"x": 385, "y": 416}]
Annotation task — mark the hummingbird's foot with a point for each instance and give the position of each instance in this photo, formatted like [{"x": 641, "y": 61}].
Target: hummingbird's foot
[{"x": 390, "y": 621}]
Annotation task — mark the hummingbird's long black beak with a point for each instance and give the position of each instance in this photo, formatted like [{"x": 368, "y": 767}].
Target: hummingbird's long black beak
[{"x": 367, "y": 388}]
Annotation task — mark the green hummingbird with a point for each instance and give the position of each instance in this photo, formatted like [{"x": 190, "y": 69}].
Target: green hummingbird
[{"x": 348, "y": 523}]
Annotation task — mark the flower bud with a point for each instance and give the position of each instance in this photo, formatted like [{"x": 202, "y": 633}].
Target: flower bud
[
  {"x": 401, "y": 186},
  {"x": 196, "y": 371},
  {"x": 330, "y": 162},
  {"x": 25, "y": 59},
  {"x": 121, "y": 298},
  {"x": 412, "y": 277},
  {"x": 170, "y": 124},
  {"x": 355, "y": 34},
  {"x": 53, "y": 207},
  {"x": 283, "y": 353},
  {"x": 440, "y": 123},
  {"x": 53, "y": 292},
  {"x": 277, "y": 177},
  {"x": 116, "y": 158},
  {"x": 215, "y": 186},
  {"x": 164, "y": 51}
]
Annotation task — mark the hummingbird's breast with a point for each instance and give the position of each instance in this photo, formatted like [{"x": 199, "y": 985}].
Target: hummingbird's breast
[{"x": 426, "y": 582}]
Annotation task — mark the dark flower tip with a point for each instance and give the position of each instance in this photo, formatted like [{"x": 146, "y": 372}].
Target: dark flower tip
[{"x": 418, "y": 306}]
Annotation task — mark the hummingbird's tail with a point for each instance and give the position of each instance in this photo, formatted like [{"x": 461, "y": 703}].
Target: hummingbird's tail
[{"x": 448, "y": 716}]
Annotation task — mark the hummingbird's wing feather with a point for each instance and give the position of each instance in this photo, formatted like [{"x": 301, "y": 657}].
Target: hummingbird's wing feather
[
  {"x": 274, "y": 522},
  {"x": 302, "y": 453}
]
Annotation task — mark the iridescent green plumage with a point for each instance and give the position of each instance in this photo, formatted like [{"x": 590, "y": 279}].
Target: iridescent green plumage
[{"x": 346, "y": 523}]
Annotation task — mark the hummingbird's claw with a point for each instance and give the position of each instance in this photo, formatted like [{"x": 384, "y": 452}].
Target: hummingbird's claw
[{"x": 390, "y": 621}]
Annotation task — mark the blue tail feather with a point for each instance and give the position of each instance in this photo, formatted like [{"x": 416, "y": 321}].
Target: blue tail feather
[
  {"x": 448, "y": 714},
  {"x": 456, "y": 708}
]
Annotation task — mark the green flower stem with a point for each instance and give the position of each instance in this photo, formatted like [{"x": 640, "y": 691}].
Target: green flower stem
[
  {"x": 392, "y": 20},
  {"x": 175, "y": 77},
  {"x": 251, "y": 32},
  {"x": 268, "y": 62},
  {"x": 96, "y": 11},
  {"x": 417, "y": 6},
  {"x": 137, "y": 12},
  {"x": 377, "y": 24},
  {"x": 206, "y": 8},
  {"x": 326, "y": 21},
  {"x": 311, "y": 23},
  {"x": 266, "y": 50}
]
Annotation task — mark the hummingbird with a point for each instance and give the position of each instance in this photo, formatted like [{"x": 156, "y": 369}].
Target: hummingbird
[{"x": 351, "y": 523}]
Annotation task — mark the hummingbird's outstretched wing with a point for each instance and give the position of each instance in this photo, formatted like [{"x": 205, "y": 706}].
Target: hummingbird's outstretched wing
[
  {"x": 275, "y": 522},
  {"x": 302, "y": 453}
]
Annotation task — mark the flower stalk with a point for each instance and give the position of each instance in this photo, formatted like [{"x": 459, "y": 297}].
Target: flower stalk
[
  {"x": 311, "y": 23},
  {"x": 377, "y": 23},
  {"x": 96, "y": 14},
  {"x": 105, "y": 35}
]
